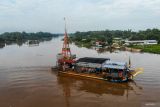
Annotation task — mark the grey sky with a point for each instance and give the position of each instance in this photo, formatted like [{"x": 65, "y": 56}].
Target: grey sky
[{"x": 82, "y": 15}]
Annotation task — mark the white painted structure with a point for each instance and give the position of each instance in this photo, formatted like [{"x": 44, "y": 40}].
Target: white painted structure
[
  {"x": 142, "y": 42},
  {"x": 150, "y": 42}
]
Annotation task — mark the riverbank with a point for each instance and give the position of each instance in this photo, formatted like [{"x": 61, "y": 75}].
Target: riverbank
[
  {"x": 83, "y": 44},
  {"x": 147, "y": 48}
]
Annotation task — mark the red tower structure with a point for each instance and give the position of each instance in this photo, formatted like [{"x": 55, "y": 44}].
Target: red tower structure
[{"x": 65, "y": 56}]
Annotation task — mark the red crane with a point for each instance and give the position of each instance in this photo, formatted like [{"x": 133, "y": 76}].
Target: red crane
[{"x": 65, "y": 56}]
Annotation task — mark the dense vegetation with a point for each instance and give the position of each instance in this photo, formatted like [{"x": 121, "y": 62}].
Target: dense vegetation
[
  {"x": 148, "y": 48},
  {"x": 87, "y": 37},
  {"x": 22, "y": 37},
  {"x": 149, "y": 34}
]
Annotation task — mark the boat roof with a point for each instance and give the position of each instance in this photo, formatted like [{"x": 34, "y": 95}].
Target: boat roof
[
  {"x": 115, "y": 65},
  {"x": 93, "y": 60}
]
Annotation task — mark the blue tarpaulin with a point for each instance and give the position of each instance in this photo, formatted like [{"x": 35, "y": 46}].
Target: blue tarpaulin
[{"x": 115, "y": 65}]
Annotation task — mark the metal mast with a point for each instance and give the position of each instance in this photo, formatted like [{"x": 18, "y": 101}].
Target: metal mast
[
  {"x": 66, "y": 52},
  {"x": 65, "y": 56}
]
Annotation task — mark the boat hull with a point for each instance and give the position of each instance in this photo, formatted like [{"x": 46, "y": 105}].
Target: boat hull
[
  {"x": 98, "y": 76},
  {"x": 89, "y": 76}
]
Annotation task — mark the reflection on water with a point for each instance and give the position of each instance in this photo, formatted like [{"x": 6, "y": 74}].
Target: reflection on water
[
  {"x": 2, "y": 45},
  {"x": 96, "y": 86},
  {"x": 39, "y": 86},
  {"x": 103, "y": 50},
  {"x": 85, "y": 90},
  {"x": 80, "y": 91},
  {"x": 28, "y": 42},
  {"x": 26, "y": 80}
]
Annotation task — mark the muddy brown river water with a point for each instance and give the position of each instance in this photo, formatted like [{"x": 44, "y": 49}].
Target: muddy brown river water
[{"x": 26, "y": 79}]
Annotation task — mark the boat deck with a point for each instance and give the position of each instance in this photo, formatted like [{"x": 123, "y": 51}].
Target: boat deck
[
  {"x": 87, "y": 75},
  {"x": 97, "y": 76}
]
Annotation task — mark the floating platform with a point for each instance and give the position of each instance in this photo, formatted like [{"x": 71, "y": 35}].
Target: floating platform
[
  {"x": 133, "y": 73},
  {"x": 85, "y": 75}
]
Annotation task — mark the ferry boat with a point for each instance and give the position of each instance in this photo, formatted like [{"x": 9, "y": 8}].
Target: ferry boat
[
  {"x": 99, "y": 68},
  {"x": 95, "y": 68}
]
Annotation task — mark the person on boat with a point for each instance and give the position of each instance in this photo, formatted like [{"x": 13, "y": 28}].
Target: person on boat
[
  {"x": 97, "y": 70},
  {"x": 89, "y": 70},
  {"x": 64, "y": 68},
  {"x": 72, "y": 67},
  {"x": 104, "y": 74},
  {"x": 120, "y": 74}
]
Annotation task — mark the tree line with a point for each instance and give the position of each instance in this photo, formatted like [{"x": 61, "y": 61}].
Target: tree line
[
  {"x": 23, "y": 36},
  {"x": 108, "y": 35}
]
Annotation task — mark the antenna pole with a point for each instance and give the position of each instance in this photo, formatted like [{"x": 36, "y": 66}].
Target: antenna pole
[
  {"x": 129, "y": 62},
  {"x": 65, "y": 28},
  {"x": 66, "y": 52}
]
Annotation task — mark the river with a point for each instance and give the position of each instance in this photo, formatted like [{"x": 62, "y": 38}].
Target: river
[{"x": 26, "y": 79}]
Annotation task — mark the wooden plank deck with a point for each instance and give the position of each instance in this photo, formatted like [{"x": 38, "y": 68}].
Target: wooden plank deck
[{"x": 93, "y": 76}]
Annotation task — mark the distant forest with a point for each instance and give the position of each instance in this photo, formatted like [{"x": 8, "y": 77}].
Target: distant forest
[
  {"x": 23, "y": 36},
  {"x": 108, "y": 35}
]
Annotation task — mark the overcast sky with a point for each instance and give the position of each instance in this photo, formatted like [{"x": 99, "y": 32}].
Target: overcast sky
[{"x": 81, "y": 15}]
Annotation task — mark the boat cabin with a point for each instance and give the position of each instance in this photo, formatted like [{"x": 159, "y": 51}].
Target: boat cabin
[
  {"x": 116, "y": 71},
  {"x": 89, "y": 64}
]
